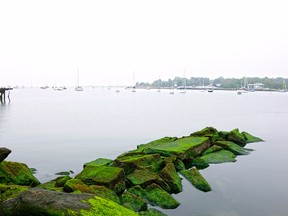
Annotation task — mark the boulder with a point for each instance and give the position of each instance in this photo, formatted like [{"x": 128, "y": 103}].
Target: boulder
[
  {"x": 17, "y": 174},
  {"x": 105, "y": 193},
  {"x": 250, "y": 138},
  {"x": 145, "y": 178},
  {"x": 237, "y": 137},
  {"x": 35, "y": 202},
  {"x": 99, "y": 162},
  {"x": 231, "y": 146},
  {"x": 196, "y": 179},
  {"x": 222, "y": 156},
  {"x": 111, "y": 177},
  {"x": 4, "y": 152},
  {"x": 133, "y": 202},
  {"x": 60, "y": 181},
  {"x": 73, "y": 185},
  {"x": 11, "y": 191},
  {"x": 198, "y": 162},
  {"x": 210, "y": 132},
  {"x": 132, "y": 161},
  {"x": 171, "y": 177},
  {"x": 213, "y": 148},
  {"x": 152, "y": 212}
]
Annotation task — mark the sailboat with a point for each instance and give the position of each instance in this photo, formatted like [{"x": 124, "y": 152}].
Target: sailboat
[
  {"x": 184, "y": 91},
  {"x": 284, "y": 88},
  {"x": 78, "y": 87},
  {"x": 133, "y": 87},
  {"x": 159, "y": 85}
]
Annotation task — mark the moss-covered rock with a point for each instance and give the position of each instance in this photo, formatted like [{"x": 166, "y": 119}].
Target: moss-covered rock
[
  {"x": 152, "y": 212},
  {"x": 60, "y": 181},
  {"x": 213, "y": 148},
  {"x": 179, "y": 165},
  {"x": 35, "y": 202},
  {"x": 159, "y": 197},
  {"x": 234, "y": 148},
  {"x": 105, "y": 193},
  {"x": 11, "y": 191},
  {"x": 250, "y": 138},
  {"x": 63, "y": 173},
  {"x": 183, "y": 148},
  {"x": 133, "y": 202},
  {"x": 17, "y": 174},
  {"x": 132, "y": 161},
  {"x": 236, "y": 137},
  {"x": 222, "y": 156},
  {"x": 164, "y": 140},
  {"x": 199, "y": 163},
  {"x": 196, "y": 179},
  {"x": 111, "y": 177},
  {"x": 4, "y": 152},
  {"x": 51, "y": 186},
  {"x": 171, "y": 177},
  {"x": 145, "y": 178},
  {"x": 99, "y": 162},
  {"x": 73, "y": 185}
]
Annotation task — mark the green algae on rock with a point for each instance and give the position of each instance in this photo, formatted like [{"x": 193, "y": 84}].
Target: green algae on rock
[
  {"x": 237, "y": 137},
  {"x": 234, "y": 148},
  {"x": 73, "y": 185},
  {"x": 17, "y": 174},
  {"x": 196, "y": 179},
  {"x": 105, "y": 193},
  {"x": 198, "y": 162},
  {"x": 171, "y": 177},
  {"x": 111, "y": 177},
  {"x": 222, "y": 156},
  {"x": 133, "y": 202},
  {"x": 152, "y": 212},
  {"x": 250, "y": 138},
  {"x": 212, "y": 149},
  {"x": 60, "y": 181},
  {"x": 11, "y": 191},
  {"x": 99, "y": 162}
]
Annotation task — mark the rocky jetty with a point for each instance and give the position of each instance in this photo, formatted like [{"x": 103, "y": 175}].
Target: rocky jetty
[{"x": 129, "y": 184}]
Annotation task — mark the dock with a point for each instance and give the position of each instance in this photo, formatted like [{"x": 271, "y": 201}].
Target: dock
[{"x": 3, "y": 94}]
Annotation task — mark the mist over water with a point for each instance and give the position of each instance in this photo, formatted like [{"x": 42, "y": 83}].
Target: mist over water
[{"x": 57, "y": 131}]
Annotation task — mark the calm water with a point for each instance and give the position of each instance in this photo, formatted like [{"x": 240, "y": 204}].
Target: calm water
[{"x": 58, "y": 131}]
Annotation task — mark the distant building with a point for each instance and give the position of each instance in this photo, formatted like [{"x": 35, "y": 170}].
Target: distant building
[{"x": 256, "y": 86}]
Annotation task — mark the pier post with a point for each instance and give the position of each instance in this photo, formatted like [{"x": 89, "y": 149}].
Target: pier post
[{"x": 3, "y": 94}]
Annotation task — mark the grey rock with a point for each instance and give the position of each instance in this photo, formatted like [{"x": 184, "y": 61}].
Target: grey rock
[{"x": 4, "y": 152}]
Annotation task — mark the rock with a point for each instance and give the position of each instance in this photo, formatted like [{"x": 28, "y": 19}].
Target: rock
[
  {"x": 250, "y": 138},
  {"x": 213, "y": 148},
  {"x": 17, "y": 174},
  {"x": 133, "y": 202},
  {"x": 35, "y": 202},
  {"x": 183, "y": 148},
  {"x": 210, "y": 132},
  {"x": 237, "y": 137},
  {"x": 111, "y": 177},
  {"x": 234, "y": 148},
  {"x": 156, "y": 196},
  {"x": 171, "y": 177},
  {"x": 196, "y": 179},
  {"x": 222, "y": 156},
  {"x": 63, "y": 173},
  {"x": 76, "y": 185},
  {"x": 105, "y": 193},
  {"x": 132, "y": 161},
  {"x": 4, "y": 152},
  {"x": 145, "y": 178},
  {"x": 164, "y": 140},
  {"x": 159, "y": 197},
  {"x": 61, "y": 181},
  {"x": 199, "y": 163},
  {"x": 99, "y": 162},
  {"x": 11, "y": 191}
]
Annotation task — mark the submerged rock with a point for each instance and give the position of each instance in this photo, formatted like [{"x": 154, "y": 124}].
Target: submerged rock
[
  {"x": 250, "y": 138},
  {"x": 4, "y": 152},
  {"x": 196, "y": 179}
]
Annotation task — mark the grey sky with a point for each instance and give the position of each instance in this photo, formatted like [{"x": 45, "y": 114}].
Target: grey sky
[{"x": 44, "y": 42}]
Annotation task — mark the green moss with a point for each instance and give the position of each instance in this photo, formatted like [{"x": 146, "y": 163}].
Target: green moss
[
  {"x": 221, "y": 156},
  {"x": 210, "y": 132},
  {"x": 158, "y": 142},
  {"x": 234, "y": 148},
  {"x": 171, "y": 177},
  {"x": 181, "y": 147},
  {"x": 102, "y": 207},
  {"x": 196, "y": 179},
  {"x": 76, "y": 185},
  {"x": 152, "y": 212},
  {"x": 99, "y": 162},
  {"x": 133, "y": 202},
  {"x": 199, "y": 163},
  {"x": 130, "y": 162},
  {"x": 159, "y": 197},
  {"x": 250, "y": 138},
  {"x": 60, "y": 181},
  {"x": 111, "y": 177},
  {"x": 11, "y": 191},
  {"x": 63, "y": 173},
  {"x": 50, "y": 186},
  {"x": 237, "y": 137},
  {"x": 179, "y": 165},
  {"x": 105, "y": 193},
  {"x": 145, "y": 178},
  {"x": 16, "y": 173},
  {"x": 213, "y": 148}
]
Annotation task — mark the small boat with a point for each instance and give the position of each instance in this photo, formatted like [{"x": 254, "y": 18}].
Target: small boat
[
  {"x": 210, "y": 90},
  {"x": 78, "y": 87},
  {"x": 44, "y": 87},
  {"x": 117, "y": 91}
]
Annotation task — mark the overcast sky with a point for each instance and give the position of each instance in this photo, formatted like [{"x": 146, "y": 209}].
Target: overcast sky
[{"x": 44, "y": 42}]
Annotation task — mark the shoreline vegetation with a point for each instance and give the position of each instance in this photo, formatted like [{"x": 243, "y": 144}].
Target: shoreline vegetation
[{"x": 128, "y": 185}]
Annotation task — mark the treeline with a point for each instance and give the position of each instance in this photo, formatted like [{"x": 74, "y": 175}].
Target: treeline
[{"x": 269, "y": 83}]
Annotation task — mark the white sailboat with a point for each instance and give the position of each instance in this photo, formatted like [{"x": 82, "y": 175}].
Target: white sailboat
[
  {"x": 133, "y": 87},
  {"x": 78, "y": 87},
  {"x": 284, "y": 88}
]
